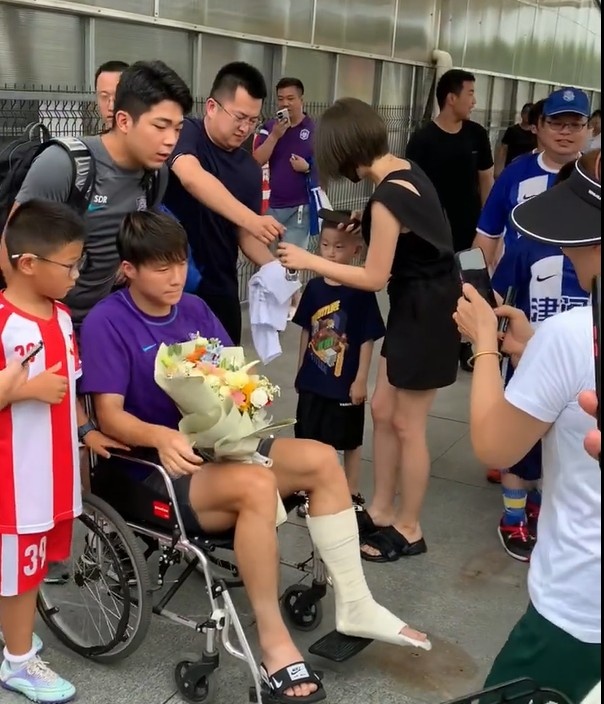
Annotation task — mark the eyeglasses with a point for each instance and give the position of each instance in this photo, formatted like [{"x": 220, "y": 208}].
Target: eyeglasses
[
  {"x": 251, "y": 122},
  {"x": 559, "y": 125},
  {"x": 105, "y": 97},
  {"x": 73, "y": 269}
]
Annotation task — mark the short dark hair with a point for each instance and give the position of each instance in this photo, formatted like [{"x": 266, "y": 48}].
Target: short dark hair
[
  {"x": 110, "y": 67},
  {"x": 452, "y": 82},
  {"x": 536, "y": 112},
  {"x": 350, "y": 134},
  {"x": 527, "y": 107},
  {"x": 148, "y": 237},
  {"x": 239, "y": 74},
  {"x": 290, "y": 83},
  {"x": 596, "y": 113},
  {"x": 42, "y": 228},
  {"x": 148, "y": 83}
]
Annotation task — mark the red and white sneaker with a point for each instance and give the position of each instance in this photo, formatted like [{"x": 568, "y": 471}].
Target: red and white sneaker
[{"x": 517, "y": 541}]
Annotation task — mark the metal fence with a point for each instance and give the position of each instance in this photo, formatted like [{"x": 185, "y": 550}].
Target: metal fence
[{"x": 70, "y": 113}]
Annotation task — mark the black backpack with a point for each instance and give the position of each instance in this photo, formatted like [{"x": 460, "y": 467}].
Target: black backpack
[{"x": 17, "y": 157}]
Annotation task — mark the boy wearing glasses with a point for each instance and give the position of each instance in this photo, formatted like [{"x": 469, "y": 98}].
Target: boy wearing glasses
[
  {"x": 542, "y": 277},
  {"x": 214, "y": 145},
  {"x": 40, "y": 493}
]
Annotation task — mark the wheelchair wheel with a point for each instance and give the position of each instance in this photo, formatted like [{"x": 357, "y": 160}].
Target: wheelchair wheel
[
  {"x": 299, "y": 616},
  {"x": 104, "y": 610},
  {"x": 196, "y": 691}
]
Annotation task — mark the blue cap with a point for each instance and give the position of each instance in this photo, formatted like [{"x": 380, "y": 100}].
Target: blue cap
[{"x": 567, "y": 100}]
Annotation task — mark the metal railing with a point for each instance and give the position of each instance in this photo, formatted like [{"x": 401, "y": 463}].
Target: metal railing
[{"x": 73, "y": 113}]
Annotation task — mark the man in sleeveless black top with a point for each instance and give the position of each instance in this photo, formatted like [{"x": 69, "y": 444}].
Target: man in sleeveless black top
[{"x": 410, "y": 248}]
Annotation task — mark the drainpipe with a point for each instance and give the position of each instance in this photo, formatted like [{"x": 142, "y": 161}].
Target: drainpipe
[{"x": 443, "y": 62}]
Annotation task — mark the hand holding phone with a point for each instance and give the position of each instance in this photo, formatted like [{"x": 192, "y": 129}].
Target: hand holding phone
[
  {"x": 337, "y": 217},
  {"x": 282, "y": 115},
  {"x": 473, "y": 270}
]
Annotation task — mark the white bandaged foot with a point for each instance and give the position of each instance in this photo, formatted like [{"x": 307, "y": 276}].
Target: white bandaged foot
[{"x": 357, "y": 613}]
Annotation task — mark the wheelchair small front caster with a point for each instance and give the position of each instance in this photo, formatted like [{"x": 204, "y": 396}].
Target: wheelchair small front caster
[
  {"x": 192, "y": 686},
  {"x": 302, "y": 608}
]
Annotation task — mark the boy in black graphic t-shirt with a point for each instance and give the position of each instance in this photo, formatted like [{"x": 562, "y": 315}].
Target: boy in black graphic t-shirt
[{"x": 339, "y": 326}]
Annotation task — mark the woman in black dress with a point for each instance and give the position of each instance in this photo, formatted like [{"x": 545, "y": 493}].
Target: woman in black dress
[{"x": 410, "y": 248}]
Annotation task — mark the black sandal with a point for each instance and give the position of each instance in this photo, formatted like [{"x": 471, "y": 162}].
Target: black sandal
[
  {"x": 365, "y": 523},
  {"x": 290, "y": 677},
  {"x": 391, "y": 545}
]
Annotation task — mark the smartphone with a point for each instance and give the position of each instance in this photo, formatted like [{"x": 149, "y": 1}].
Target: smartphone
[
  {"x": 282, "y": 115},
  {"x": 473, "y": 270},
  {"x": 509, "y": 300},
  {"x": 339, "y": 217},
  {"x": 596, "y": 307},
  {"x": 32, "y": 354}
]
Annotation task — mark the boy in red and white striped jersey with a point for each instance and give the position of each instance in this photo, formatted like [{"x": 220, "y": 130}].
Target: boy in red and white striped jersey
[{"x": 40, "y": 489}]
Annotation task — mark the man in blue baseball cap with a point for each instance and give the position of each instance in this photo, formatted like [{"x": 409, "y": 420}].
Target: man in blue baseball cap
[
  {"x": 567, "y": 101},
  {"x": 543, "y": 280}
]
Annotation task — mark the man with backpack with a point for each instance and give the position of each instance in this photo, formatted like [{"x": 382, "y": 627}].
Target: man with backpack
[
  {"x": 107, "y": 176},
  {"x": 104, "y": 178}
]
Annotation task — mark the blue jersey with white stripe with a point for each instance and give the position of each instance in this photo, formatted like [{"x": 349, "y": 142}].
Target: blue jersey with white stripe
[
  {"x": 525, "y": 178},
  {"x": 544, "y": 279}
]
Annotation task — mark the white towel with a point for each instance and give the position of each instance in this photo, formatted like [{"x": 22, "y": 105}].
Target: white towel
[{"x": 270, "y": 293}]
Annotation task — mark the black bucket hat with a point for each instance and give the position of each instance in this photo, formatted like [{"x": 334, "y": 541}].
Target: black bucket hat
[{"x": 567, "y": 215}]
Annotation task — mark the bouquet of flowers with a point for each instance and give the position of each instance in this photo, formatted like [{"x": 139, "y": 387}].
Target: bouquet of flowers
[{"x": 223, "y": 404}]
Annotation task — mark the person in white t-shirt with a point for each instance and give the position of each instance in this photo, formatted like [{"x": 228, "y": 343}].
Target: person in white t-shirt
[{"x": 557, "y": 643}]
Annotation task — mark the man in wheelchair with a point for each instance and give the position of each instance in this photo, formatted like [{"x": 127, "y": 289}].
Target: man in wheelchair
[{"x": 119, "y": 341}]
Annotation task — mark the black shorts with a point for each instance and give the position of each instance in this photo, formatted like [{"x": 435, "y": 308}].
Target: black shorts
[
  {"x": 332, "y": 422},
  {"x": 422, "y": 342},
  {"x": 182, "y": 489}
]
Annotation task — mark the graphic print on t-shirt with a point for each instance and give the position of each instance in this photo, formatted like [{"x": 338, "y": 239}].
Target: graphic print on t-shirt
[{"x": 328, "y": 340}]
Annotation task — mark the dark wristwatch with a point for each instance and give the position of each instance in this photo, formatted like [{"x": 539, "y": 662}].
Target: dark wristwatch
[{"x": 83, "y": 430}]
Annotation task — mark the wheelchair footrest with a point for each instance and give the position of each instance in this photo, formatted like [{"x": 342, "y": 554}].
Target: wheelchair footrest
[{"x": 338, "y": 648}]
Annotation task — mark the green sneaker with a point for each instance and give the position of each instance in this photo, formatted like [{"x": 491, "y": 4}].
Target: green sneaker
[
  {"x": 37, "y": 643},
  {"x": 36, "y": 681}
]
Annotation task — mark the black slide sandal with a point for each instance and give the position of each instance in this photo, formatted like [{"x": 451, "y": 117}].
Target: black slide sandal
[
  {"x": 392, "y": 545},
  {"x": 291, "y": 676},
  {"x": 365, "y": 523}
]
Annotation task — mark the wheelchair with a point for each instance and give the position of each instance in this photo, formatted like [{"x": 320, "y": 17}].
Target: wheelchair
[{"x": 124, "y": 524}]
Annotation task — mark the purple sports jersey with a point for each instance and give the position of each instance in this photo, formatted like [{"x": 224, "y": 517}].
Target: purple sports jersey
[
  {"x": 119, "y": 344},
  {"x": 288, "y": 187}
]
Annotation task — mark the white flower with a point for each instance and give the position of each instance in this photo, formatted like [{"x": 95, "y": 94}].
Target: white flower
[
  {"x": 259, "y": 398},
  {"x": 224, "y": 392},
  {"x": 213, "y": 381}
]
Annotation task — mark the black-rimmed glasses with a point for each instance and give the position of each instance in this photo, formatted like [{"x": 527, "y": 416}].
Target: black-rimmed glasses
[
  {"x": 251, "y": 122},
  {"x": 74, "y": 269}
]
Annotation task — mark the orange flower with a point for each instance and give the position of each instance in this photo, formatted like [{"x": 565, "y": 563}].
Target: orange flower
[
  {"x": 249, "y": 389},
  {"x": 196, "y": 355}
]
